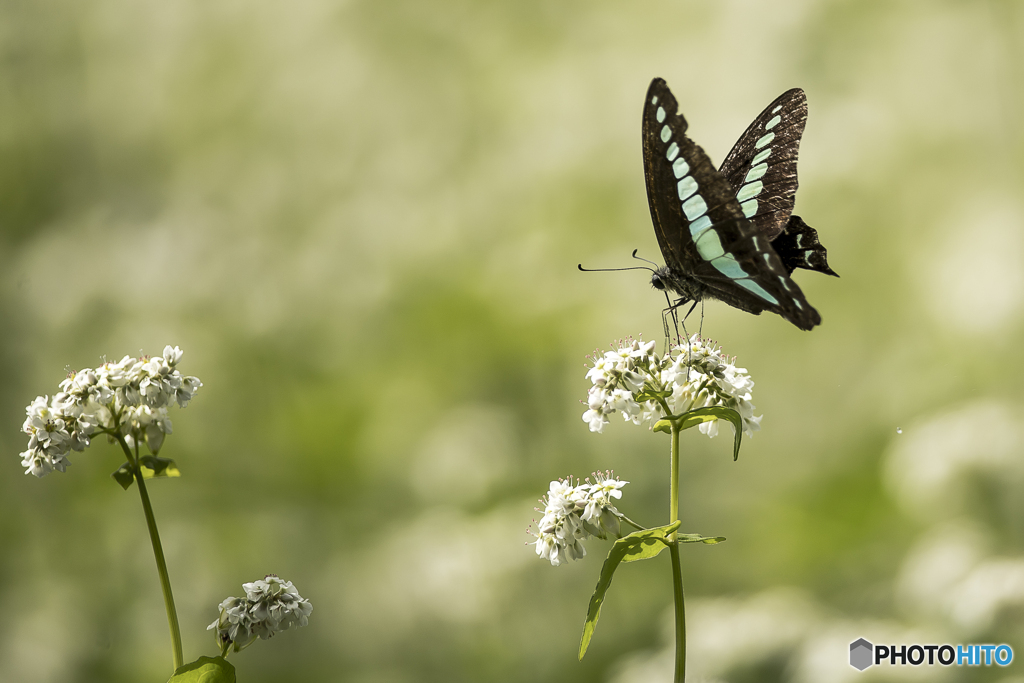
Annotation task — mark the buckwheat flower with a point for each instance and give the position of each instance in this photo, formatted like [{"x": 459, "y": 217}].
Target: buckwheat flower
[
  {"x": 560, "y": 537},
  {"x": 693, "y": 375},
  {"x": 574, "y": 513},
  {"x": 153, "y": 383},
  {"x": 559, "y": 532},
  {"x": 602, "y": 492},
  {"x": 560, "y": 497},
  {"x": 147, "y": 424},
  {"x": 277, "y": 606},
  {"x": 48, "y": 430},
  {"x": 172, "y": 355},
  {"x": 639, "y": 349},
  {"x": 115, "y": 375},
  {"x": 598, "y": 513},
  {"x": 270, "y": 605},
  {"x": 128, "y": 395},
  {"x": 41, "y": 463},
  {"x": 79, "y": 423},
  {"x": 184, "y": 389},
  {"x": 129, "y": 398}
]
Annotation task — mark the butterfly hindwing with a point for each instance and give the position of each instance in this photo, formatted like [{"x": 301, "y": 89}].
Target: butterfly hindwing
[
  {"x": 768, "y": 286},
  {"x": 798, "y": 247},
  {"x": 710, "y": 247},
  {"x": 762, "y": 164}
]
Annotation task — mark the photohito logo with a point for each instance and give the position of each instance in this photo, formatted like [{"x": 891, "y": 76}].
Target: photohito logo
[{"x": 863, "y": 654}]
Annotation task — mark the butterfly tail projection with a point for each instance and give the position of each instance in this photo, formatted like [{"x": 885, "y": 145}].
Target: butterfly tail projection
[{"x": 798, "y": 247}]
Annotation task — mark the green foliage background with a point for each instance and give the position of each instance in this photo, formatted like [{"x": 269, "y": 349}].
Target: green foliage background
[{"x": 361, "y": 221}]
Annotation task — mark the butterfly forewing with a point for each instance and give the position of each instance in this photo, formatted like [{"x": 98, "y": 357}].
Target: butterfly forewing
[
  {"x": 762, "y": 164},
  {"x": 703, "y": 234},
  {"x": 685, "y": 191}
]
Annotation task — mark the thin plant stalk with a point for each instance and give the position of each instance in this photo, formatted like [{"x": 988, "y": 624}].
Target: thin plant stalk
[
  {"x": 677, "y": 570},
  {"x": 158, "y": 552}
]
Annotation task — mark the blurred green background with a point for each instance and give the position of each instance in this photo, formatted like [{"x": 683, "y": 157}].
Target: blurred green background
[{"x": 361, "y": 221}]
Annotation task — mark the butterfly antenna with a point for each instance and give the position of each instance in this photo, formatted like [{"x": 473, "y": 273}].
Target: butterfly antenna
[
  {"x": 609, "y": 270},
  {"x": 641, "y": 258}
]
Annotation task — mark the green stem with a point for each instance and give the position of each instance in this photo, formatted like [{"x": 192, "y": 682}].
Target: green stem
[
  {"x": 673, "y": 504},
  {"x": 158, "y": 552},
  {"x": 677, "y": 570},
  {"x": 627, "y": 520},
  {"x": 677, "y": 586}
]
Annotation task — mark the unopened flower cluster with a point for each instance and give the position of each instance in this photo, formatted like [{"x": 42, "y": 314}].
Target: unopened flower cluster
[
  {"x": 574, "y": 513},
  {"x": 697, "y": 374},
  {"x": 129, "y": 397},
  {"x": 270, "y": 605}
]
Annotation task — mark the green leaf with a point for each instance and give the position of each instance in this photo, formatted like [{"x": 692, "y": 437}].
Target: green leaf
[
  {"x": 639, "y": 545},
  {"x": 123, "y": 476},
  {"x": 651, "y": 395},
  {"x": 205, "y": 670},
  {"x": 697, "y": 538},
  {"x": 154, "y": 467},
  {"x": 692, "y": 418}
]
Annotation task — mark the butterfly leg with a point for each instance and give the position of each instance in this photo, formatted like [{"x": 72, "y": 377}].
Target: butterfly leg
[
  {"x": 666, "y": 313},
  {"x": 673, "y": 311},
  {"x": 687, "y": 334},
  {"x": 665, "y": 328}
]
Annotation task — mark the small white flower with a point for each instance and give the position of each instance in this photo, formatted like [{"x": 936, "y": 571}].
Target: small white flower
[
  {"x": 115, "y": 375},
  {"x": 189, "y": 386},
  {"x": 574, "y": 513},
  {"x": 40, "y": 462},
  {"x": 607, "y": 486},
  {"x": 172, "y": 355},
  {"x": 270, "y": 605},
  {"x": 596, "y": 420},
  {"x": 129, "y": 397},
  {"x": 696, "y": 374}
]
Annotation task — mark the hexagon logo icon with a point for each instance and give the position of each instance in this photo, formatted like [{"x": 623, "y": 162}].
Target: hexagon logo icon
[{"x": 861, "y": 652}]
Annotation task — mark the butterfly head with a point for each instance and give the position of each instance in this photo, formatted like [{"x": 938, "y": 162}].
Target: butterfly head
[
  {"x": 664, "y": 279},
  {"x": 660, "y": 278}
]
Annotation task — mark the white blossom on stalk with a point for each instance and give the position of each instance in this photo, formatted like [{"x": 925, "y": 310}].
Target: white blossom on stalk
[
  {"x": 129, "y": 397},
  {"x": 697, "y": 374},
  {"x": 270, "y": 605},
  {"x": 575, "y": 512}
]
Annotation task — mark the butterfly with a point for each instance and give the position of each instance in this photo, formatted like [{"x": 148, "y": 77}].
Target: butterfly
[{"x": 729, "y": 233}]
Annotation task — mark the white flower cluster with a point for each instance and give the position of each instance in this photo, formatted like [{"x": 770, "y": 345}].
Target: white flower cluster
[
  {"x": 130, "y": 397},
  {"x": 573, "y": 514},
  {"x": 697, "y": 374},
  {"x": 270, "y": 605}
]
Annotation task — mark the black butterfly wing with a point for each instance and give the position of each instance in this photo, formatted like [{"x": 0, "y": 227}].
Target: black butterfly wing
[
  {"x": 684, "y": 190},
  {"x": 798, "y": 247},
  {"x": 762, "y": 163},
  {"x": 700, "y": 226},
  {"x": 768, "y": 285},
  {"x": 762, "y": 168}
]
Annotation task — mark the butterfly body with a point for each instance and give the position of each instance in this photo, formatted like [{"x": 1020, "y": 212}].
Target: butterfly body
[
  {"x": 716, "y": 227},
  {"x": 688, "y": 288}
]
